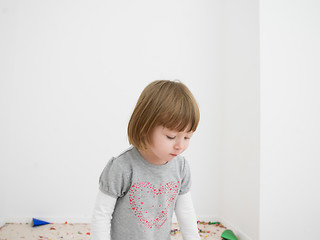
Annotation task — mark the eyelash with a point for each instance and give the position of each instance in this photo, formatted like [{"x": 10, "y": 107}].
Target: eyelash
[{"x": 171, "y": 138}]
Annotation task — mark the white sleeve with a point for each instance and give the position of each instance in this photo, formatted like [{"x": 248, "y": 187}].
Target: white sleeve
[
  {"x": 186, "y": 217},
  {"x": 102, "y": 215}
]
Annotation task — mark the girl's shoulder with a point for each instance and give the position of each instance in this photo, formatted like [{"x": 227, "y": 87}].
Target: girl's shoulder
[
  {"x": 119, "y": 166},
  {"x": 126, "y": 152},
  {"x": 183, "y": 165},
  {"x": 125, "y": 155},
  {"x": 181, "y": 161},
  {"x": 115, "y": 178},
  {"x": 124, "y": 158}
]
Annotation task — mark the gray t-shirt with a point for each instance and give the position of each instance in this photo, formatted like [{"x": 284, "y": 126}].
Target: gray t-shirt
[{"x": 146, "y": 195}]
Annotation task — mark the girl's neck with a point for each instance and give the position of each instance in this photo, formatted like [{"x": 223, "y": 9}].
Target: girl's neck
[{"x": 151, "y": 158}]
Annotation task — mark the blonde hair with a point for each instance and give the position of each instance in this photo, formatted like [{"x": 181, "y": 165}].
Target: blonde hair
[{"x": 166, "y": 103}]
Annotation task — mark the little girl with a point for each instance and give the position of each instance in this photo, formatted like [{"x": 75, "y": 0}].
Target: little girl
[{"x": 140, "y": 188}]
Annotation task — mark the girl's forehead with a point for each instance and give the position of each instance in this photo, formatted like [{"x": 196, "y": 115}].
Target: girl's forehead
[{"x": 177, "y": 131}]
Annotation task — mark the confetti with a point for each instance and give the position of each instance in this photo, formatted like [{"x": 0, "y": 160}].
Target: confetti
[{"x": 81, "y": 231}]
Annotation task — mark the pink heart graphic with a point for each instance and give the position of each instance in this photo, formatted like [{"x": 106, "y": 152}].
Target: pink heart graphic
[{"x": 150, "y": 203}]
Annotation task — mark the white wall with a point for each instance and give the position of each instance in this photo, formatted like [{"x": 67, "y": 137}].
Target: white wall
[
  {"x": 290, "y": 116},
  {"x": 239, "y": 196},
  {"x": 70, "y": 74}
]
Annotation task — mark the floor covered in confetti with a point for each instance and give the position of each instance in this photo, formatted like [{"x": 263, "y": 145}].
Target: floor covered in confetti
[{"x": 81, "y": 231}]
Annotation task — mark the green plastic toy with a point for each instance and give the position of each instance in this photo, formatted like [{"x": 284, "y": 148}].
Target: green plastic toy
[{"x": 228, "y": 235}]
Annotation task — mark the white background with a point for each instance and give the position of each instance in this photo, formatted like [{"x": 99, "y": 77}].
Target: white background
[
  {"x": 71, "y": 72},
  {"x": 290, "y": 117}
]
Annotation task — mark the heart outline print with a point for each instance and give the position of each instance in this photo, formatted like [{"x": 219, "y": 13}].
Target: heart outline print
[{"x": 145, "y": 202}]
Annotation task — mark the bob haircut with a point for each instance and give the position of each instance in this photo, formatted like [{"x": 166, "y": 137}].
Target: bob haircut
[{"x": 162, "y": 103}]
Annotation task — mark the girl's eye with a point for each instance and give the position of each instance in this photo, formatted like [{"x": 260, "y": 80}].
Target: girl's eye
[
  {"x": 169, "y": 137},
  {"x": 187, "y": 138}
]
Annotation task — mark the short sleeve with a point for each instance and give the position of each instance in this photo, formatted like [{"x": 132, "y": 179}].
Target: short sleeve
[
  {"x": 114, "y": 180},
  {"x": 185, "y": 178}
]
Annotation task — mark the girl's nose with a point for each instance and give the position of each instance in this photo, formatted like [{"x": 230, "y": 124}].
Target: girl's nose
[{"x": 178, "y": 145}]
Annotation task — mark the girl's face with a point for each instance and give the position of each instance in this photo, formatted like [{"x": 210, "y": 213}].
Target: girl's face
[{"x": 165, "y": 145}]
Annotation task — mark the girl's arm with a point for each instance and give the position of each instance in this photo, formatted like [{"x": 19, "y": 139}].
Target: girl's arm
[
  {"x": 102, "y": 214},
  {"x": 186, "y": 217}
]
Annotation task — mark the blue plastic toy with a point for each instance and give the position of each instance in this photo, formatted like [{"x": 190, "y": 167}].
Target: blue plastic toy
[{"x": 37, "y": 222}]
